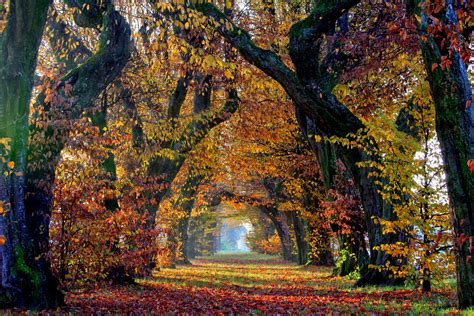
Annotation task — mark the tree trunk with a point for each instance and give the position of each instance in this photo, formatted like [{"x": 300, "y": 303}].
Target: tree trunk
[
  {"x": 281, "y": 226},
  {"x": 47, "y": 139},
  {"x": 182, "y": 257},
  {"x": 452, "y": 94},
  {"x": 299, "y": 227},
  {"x": 26, "y": 281}
]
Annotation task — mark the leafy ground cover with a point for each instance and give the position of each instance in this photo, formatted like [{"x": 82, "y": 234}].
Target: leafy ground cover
[{"x": 256, "y": 284}]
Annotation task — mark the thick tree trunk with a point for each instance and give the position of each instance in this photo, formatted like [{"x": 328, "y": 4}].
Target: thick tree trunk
[
  {"x": 299, "y": 227},
  {"x": 310, "y": 72},
  {"x": 354, "y": 255},
  {"x": 305, "y": 46},
  {"x": 47, "y": 139},
  {"x": 26, "y": 281},
  {"x": 281, "y": 226},
  {"x": 452, "y": 94}
]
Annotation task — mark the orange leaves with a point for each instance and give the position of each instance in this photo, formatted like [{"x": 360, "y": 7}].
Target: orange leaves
[
  {"x": 470, "y": 164},
  {"x": 3, "y": 240},
  {"x": 270, "y": 246},
  {"x": 10, "y": 166},
  {"x": 237, "y": 286}
]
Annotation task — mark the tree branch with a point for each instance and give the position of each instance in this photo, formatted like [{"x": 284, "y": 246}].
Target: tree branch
[{"x": 325, "y": 110}]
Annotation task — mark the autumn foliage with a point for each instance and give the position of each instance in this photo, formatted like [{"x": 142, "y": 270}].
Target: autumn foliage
[{"x": 328, "y": 143}]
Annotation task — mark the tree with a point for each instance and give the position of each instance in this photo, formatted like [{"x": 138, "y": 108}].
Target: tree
[
  {"x": 440, "y": 40},
  {"x": 313, "y": 99},
  {"x": 28, "y": 252},
  {"x": 25, "y": 282}
]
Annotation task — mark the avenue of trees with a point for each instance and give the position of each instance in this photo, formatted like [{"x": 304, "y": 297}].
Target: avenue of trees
[{"x": 133, "y": 132}]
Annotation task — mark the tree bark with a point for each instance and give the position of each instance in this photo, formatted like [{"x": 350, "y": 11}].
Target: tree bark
[
  {"x": 281, "y": 226},
  {"x": 25, "y": 282},
  {"x": 177, "y": 241},
  {"x": 166, "y": 169},
  {"x": 452, "y": 94},
  {"x": 299, "y": 227},
  {"x": 76, "y": 92}
]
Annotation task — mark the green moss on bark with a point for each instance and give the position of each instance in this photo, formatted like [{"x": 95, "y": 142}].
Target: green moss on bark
[{"x": 21, "y": 267}]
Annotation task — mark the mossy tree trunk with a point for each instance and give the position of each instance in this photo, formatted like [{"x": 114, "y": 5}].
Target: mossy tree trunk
[
  {"x": 452, "y": 95},
  {"x": 454, "y": 127},
  {"x": 76, "y": 92},
  {"x": 26, "y": 281},
  {"x": 312, "y": 71}
]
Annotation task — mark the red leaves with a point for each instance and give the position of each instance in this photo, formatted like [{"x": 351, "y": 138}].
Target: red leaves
[
  {"x": 231, "y": 287},
  {"x": 470, "y": 244},
  {"x": 470, "y": 164}
]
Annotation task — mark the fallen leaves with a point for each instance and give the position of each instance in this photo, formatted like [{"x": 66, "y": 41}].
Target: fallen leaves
[{"x": 245, "y": 287}]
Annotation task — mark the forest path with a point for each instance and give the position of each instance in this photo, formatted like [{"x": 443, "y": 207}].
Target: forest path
[{"x": 250, "y": 283}]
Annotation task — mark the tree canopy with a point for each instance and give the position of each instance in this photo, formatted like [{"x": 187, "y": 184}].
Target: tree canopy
[{"x": 136, "y": 136}]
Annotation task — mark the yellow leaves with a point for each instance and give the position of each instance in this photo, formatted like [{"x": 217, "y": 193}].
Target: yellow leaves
[
  {"x": 228, "y": 74},
  {"x": 418, "y": 18},
  {"x": 211, "y": 61},
  {"x": 5, "y": 143},
  {"x": 342, "y": 91},
  {"x": 4, "y": 8},
  {"x": 11, "y": 166},
  {"x": 179, "y": 24}
]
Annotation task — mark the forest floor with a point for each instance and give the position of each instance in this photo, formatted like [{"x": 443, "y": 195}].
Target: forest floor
[{"x": 256, "y": 284}]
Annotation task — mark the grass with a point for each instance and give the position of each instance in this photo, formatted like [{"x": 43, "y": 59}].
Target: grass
[{"x": 247, "y": 283}]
